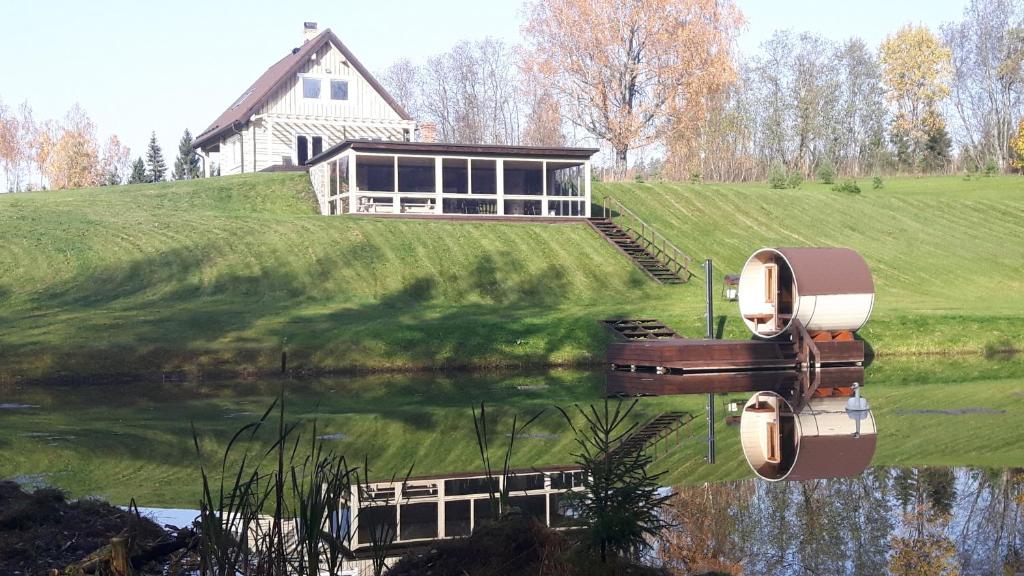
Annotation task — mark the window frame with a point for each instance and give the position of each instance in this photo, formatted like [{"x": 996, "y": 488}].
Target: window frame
[
  {"x": 320, "y": 88},
  {"x": 330, "y": 95}
]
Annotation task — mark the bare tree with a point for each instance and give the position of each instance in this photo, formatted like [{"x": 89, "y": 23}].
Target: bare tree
[
  {"x": 544, "y": 121},
  {"x": 402, "y": 80},
  {"x": 987, "y": 85},
  {"x": 623, "y": 70}
]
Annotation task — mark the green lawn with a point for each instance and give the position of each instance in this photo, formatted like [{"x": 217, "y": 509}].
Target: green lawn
[{"x": 222, "y": 275}]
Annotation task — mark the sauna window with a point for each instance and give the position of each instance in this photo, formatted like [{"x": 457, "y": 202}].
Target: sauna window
[
  {"x": 771, "y": 282},
  {"x": 774, "y": 454}
]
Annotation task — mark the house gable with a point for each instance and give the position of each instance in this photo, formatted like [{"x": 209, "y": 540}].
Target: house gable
[
  {"x": 365, "y": 98},
  {"x": 276, "y": 89}
]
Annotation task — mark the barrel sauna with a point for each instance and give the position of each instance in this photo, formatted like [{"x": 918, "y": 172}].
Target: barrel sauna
[
  {"x": 823, "y": 440},
  {"x": 827, "y": 289}
]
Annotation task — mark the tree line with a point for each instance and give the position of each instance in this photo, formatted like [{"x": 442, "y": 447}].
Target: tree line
[
  {"x": 662, "y": 79},
  {"x": 66, "y": 153}
]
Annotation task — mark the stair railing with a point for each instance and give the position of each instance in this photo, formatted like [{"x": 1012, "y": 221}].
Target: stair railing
[{"x": 667, "y": 253}]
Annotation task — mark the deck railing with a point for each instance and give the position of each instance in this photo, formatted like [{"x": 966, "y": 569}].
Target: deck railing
[{"x": 653, "y": 241}]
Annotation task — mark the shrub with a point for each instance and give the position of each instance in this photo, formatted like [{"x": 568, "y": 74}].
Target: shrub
[
  {"x": 848, "y": 186},
  {"x": 877, "y": 183},
  {"x": 826, "y": 173},
  {"x": 696, "y": 178},
  {"x": 794, "y": 179},
  {"x": 777, "y": 179},
  {"x": 991, "y": 168}
]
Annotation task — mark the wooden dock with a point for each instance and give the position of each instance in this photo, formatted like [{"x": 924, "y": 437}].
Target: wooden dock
[{"x": 796, "y": 366}]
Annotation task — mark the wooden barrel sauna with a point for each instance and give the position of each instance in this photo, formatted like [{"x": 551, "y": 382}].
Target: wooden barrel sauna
[
  {"x": 821, "y": 441},
  {"x": 827, "y": 289}
]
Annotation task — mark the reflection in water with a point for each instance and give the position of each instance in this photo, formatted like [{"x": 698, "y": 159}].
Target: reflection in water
[{"x": 899, "y": 521}]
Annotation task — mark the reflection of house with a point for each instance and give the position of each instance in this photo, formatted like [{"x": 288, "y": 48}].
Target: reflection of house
[
  {"x": 421, "y": 178},
  {"x": 432, "y": 508},
  {"x": 313, "y": 98}
]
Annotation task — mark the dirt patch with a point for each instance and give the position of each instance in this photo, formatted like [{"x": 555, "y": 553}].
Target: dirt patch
[{"x": 43, "y": 530}]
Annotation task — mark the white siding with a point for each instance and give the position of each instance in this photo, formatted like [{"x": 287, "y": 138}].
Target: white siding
[{"x": 363, "y": 101}]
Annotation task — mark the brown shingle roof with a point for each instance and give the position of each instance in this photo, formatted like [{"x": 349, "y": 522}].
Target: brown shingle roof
[{"x": 257, "y": 94}]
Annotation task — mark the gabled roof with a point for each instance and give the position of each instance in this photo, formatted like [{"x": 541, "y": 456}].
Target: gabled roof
[{"x": 257, "y": 94}]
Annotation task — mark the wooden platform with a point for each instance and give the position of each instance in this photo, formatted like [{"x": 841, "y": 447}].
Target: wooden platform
[
  {"x": 671, "y": 355},
  {"x": 640, "y": 329},
  {"x": 797, "y": 366}
]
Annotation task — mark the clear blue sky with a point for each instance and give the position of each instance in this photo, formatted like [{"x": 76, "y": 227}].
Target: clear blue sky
[{"x": 141, "y": 66}]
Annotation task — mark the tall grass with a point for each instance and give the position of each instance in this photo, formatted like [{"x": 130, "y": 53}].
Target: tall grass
[{"x": 277, "y": 512}]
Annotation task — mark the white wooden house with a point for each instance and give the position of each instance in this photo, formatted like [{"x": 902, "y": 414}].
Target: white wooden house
[{"x": 315, "y": 97}]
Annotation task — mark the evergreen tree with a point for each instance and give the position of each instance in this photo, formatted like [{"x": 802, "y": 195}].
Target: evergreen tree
[
  {"x": 186, "y": 166},
  {"x": 139, "y": 174},
  {"x": 938, "y": 150},
  {"x": 156, "y": 169}
]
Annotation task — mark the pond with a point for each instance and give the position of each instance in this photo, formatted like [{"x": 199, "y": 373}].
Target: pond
[{"x": 951, "y": 433}]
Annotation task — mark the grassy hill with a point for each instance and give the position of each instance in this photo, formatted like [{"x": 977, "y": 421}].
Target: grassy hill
[{"x": 225, "y": 274}]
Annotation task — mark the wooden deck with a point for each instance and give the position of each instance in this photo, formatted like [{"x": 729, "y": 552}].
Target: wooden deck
[{"x": 796, "y": 367}]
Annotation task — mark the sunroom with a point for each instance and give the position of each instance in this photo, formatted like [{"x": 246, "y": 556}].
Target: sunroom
[{"x": 419, "y": 179}]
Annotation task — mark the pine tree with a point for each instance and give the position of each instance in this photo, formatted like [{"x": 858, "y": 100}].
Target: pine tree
[
  {"x": 186, "y": 166},
  {"x": 156, "y": 169},
  {"x": 139, "y": 174}
]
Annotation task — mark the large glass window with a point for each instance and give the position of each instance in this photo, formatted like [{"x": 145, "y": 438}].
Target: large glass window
[
  {"x": 460, "y": 206},
  {"x": 419, "y": 520},
  {"x": 535, "y": 506},
  {"x": 523, "y": 207},
  {"x": 456, "y": 518},
  {"x": 565, "y": 179},
  {"x": 566, "y": 208},
  {"x": 416, "y": 174},
  {"x": 463, "y": 486},
  {"x": 455, "y": 176},
  {"x": 524, "y": 178},
  {"x": 342, "y": 174},
  {"x": 372, "y": 518},
  {"x": 311, "y": 88},
  {"x": 485, "y": 177},
  {"x": 375, "y": 173},
  {"x": 339, "y": 89}
]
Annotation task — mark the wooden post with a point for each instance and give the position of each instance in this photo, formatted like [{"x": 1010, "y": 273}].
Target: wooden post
[
  {"x": 708, "y": 269},
  {"x": 120, "y": 565}
]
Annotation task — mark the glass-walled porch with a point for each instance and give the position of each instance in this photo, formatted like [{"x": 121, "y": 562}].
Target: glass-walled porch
[{"x": 355, "y": 182}]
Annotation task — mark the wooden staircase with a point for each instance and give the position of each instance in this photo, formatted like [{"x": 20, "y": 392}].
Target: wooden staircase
[
  {"x": 637, "y": 252},
  {"x": 651, "y": 434}
]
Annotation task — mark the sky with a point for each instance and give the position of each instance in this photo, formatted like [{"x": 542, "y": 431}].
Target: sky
[{"x": 142, "y": 66}]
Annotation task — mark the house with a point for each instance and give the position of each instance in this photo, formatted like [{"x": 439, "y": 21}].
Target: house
[
  {"x": 315, "y": 97},
  {"x": 429, "y": 180}
]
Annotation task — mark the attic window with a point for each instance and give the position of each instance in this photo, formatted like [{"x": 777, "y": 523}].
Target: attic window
[
  {"x": 311, "y": 88},
  {"x": 339, "y": 90},
  {"x": 242, "y": 98}
]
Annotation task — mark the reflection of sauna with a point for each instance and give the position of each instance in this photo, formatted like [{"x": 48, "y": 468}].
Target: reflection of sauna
[
  {"x": 821, "y": 441},
  {"x": 827, "y": 289}
]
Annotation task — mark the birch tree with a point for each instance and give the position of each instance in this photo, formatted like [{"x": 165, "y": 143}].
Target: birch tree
[
  {"x": 916, "y": 71},
  {"x": 624, "y": 70}
]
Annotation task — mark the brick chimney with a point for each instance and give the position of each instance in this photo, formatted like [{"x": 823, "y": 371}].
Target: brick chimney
[
  {"x": 428, "y": 132},
  {"x": 309, "y": 31}
]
